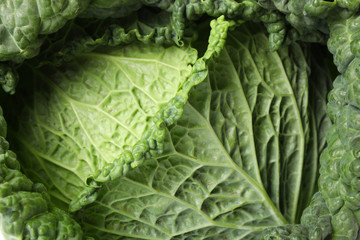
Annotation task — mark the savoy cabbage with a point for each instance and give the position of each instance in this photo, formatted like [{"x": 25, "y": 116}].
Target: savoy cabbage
[{"x": 179, "y": 119}]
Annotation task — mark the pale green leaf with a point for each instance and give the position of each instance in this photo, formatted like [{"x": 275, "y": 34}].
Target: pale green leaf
[{"x": 86, "y": 113}]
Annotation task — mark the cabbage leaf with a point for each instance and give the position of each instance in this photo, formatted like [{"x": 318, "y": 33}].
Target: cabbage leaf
[
  {"x": 233, "y": 164},
  {"x": 133, "y": 122}
]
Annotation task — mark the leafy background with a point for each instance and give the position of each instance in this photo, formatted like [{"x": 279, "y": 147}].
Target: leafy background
[{"x": 286, "y": 99}]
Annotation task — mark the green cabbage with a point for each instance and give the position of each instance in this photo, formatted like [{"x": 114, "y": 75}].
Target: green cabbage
[{"x": 185, "y": 119}]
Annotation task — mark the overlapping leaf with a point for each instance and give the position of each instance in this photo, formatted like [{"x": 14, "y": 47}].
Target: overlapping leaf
[
  {"x": 92, "y": 125},
  {"x": 88, "y": 112},
  {"x": 232, "y": 164},
  {"x": 242, "y": 158}
]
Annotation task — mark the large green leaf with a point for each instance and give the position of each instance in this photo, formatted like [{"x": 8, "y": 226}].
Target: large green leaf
[
  {"x": 236, "y": 163},
  {"x": 88, "y": 112},
  {"x": 90, "y": 120},
  {"x": 53, "y": 135},
  {"x": 272, "y": 105},
  {"x": 195, "y": 189},
  {"x": 233, "y": 164}
]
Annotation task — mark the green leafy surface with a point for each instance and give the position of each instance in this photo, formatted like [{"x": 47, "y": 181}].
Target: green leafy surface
[
  {"x": 81, "y": 122},
  {"x": 232, "y": 164},
  {"x": 22, "y": 21},
  {"x": 26, "y": 25},
  {"x": 84, "y": 35},
  {"x": 309, "y": 20},
  {"x": 243, "y": 157},
  {"x": 26, "y": 210},
  {"x": 339, "y": 174},
  {"x": 142, "y": 91},
  {"x": 30, "y": 213}
]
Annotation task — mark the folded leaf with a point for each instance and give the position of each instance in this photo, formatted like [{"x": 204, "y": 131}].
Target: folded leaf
[
  {"x": 142, "y": 90},
  {"x": 232, "y": 165},
  {"x": 68, "y": 103}
]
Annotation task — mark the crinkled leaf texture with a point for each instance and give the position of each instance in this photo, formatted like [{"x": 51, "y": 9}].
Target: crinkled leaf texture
[
  {"x": 339, "y": 179},
  {"x": 25, "y": 25},
  {"x": 233, "y": 164},
  {"x": 26, "y": 211},
  {"x": 103, "y": 113},
  {"x": 241, "y": 159},
  {"x": 85, "y": 114},
  {"x": 23, "y": 21},
  {"x": 52, "y": 100}
]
